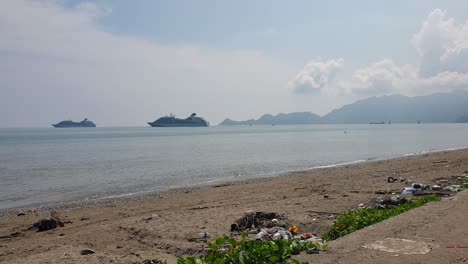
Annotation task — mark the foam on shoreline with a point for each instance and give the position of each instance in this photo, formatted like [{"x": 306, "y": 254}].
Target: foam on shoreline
[{"x": 113, "y": 200}]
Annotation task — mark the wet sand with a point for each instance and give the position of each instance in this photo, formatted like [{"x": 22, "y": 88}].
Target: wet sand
[{"x": 123, "y": 230}]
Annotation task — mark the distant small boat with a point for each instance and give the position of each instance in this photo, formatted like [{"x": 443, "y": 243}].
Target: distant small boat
[
  {"x": 69, "y": 123},
  {"x": 377, "y": 123}
]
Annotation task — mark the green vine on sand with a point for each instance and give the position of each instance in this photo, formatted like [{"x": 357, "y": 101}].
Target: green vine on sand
[
  {"x": 228, "y": 250},
  {"x": 349, "y": 222}
]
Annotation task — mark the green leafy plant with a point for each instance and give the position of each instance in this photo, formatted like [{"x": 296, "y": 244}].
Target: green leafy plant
[
  {"x": 228, "y": 250},
  {"x": 349, "y": 222},
  {"x": 465, "y": 183}
]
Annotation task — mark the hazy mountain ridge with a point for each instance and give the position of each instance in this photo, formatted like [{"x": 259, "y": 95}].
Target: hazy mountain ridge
[
  {"x": 436, "y": 108},
  {"x": 280, "y": 119}
]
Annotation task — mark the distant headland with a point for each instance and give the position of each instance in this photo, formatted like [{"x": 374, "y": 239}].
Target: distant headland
[{"x": 436, "y": 108}]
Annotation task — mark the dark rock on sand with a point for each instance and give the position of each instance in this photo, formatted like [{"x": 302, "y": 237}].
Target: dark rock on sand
[{"x": 87, "y": 252}]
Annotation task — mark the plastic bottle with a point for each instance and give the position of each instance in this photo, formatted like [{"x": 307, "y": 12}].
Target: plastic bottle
[{"x": 204, "y": 235}]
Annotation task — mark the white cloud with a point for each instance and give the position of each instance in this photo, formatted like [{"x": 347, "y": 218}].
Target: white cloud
[
  {"x": 315, "y": 76},
  {"x": 455, "y": 57},
  {"x": 386, "y": 77},
  {"x": 379, "y": 78},
  {"x": 442, "y": 45}
]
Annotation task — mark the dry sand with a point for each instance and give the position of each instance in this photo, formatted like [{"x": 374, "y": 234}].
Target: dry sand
[{"x": 119, "y": 230}]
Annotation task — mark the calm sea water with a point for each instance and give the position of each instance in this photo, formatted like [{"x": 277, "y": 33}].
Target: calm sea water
[{"x": 39, "y": 166}]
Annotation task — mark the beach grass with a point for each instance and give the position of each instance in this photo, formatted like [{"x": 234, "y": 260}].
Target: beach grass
[{"x": 351, "y": 221}]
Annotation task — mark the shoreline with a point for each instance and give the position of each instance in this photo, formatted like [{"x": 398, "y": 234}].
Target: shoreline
[
  {"x": 167, "y": 226},
  {"x": 154, "y": 194}
]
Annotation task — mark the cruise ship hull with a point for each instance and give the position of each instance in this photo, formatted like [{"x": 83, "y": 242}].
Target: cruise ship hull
[
  {"x": 153, "y": 124},
  {"x": 65, "y": 126}
]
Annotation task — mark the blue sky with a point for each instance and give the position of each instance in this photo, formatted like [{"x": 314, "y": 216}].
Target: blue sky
[
  {"x": 296, "y": 30},
  {"x": 127, "y": 62}
]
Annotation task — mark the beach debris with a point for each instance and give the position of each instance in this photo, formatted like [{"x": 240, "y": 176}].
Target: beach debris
[
  {"x": 421, "y": 186},
  {"x": 408, "y": 191},
  {"x": 389, "y": 201},
  {"x": 274, "y": 233},
  {"x": 155, "y": 216},
  {"x": 401, "y": 246},
  {"x": 87, "y": 251},
  {"x": 453, "y": 188},
  {"x": 84, "y": 218},
  {"x": 391, "y": 179},
  {"x": 282, "y": 234},
  {"x": 20, "y": 214},
  {"x": 204, "y": 235},
  {"x": 261, "y": 235},
  {"x": 46, "y": 224},
  {"x": 275, "y": 229},
  {"x": 314, "y": 239},
  {"x": 436, "y": 187},
  {"x": 234, "y": 227},
  {"x": 440, "y": 161},
  {"x": 270, "y": 226},
  {"x": 326, "y": 196},
  {"x": 254, "y": 220},
  {"x": 152, "y": 217},
  {"x": 294, "y": 230}
]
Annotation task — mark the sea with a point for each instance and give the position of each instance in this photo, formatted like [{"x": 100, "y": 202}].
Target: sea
[{"x": 41, "y": 166}]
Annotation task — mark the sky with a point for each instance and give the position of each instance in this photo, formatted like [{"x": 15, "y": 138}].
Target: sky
[{"x": 124, "y": 63}]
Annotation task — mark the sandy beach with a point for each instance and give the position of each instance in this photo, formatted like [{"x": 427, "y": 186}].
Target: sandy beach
[{"x": 164, "y": 225}]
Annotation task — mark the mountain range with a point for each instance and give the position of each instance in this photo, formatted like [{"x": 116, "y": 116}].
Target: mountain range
[{"x": 436, "y": 108}]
